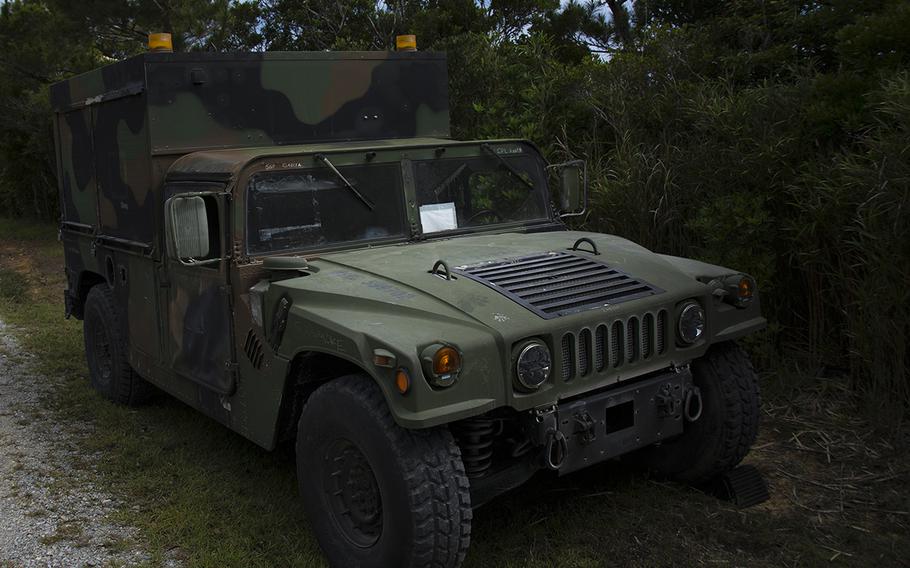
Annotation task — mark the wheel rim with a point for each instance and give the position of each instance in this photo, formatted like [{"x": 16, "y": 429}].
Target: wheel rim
[
  {"x": 352, "y": 493},
  {"x": 101, "y": 353}
]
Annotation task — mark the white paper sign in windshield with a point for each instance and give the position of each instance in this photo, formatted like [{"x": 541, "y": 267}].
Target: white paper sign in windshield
[{"x": 437, "y": 217}]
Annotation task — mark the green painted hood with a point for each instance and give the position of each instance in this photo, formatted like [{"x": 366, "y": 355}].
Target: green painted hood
[
  {"x": 353, "y": 303},
  {"x": 402, "y": 274}
]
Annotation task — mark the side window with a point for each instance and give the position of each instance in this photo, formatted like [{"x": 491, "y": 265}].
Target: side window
[{"x": 193, "y": 229}]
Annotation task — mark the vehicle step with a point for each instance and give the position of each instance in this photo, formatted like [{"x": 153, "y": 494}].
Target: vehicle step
[{"x": 744, "y": 486}]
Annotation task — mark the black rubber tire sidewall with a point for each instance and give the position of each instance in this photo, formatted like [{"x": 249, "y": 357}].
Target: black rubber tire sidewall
[
  {"x": 123, "y": 386},
  {"x": 728, "y": 426},
  {"x": 333, "y": 412}
]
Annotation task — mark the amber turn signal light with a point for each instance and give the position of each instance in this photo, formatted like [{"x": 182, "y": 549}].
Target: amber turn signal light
[
  {"x": 746, "y": 287},
  {"x": 446, "y": 361},
  {"x": 441, "y": 364},
  {"x": 740, "y": 290},
  {"x": 402, "y": 381}
]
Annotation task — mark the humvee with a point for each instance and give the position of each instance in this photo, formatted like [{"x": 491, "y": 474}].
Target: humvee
[{"x": 293, "y": 244}]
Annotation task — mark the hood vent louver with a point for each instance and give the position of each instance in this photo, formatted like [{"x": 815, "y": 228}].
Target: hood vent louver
[
  {"x": 253, "y": 349},
  {"x": 554, "y": 284}
]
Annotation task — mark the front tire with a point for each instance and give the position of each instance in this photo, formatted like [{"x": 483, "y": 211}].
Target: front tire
[
  {"x": 104, "y": 332},
  {"x": 376, "y": 494},
  {"x": 728, "y": 426}
]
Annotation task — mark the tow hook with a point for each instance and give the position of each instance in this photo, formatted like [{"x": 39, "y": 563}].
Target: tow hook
[
  {"x": 556, "y": 447},
  {"x": 556, "y": 450},
  {"x": 693, "y": 405}
]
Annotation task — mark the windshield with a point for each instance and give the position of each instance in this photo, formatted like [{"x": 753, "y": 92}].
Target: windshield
[
  {"x": 501, "y": 186},
  {"x": 316, "y": 208}
]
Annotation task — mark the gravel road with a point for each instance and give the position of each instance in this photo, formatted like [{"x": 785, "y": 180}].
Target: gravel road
[{"x": 51, "y": 514}]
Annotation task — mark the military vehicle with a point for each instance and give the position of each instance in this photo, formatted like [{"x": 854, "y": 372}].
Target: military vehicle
[{"x": 293, "y": 244}]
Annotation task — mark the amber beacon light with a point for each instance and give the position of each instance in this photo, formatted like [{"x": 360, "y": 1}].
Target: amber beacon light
[
  {"x": 406, "y": 42},
  {"x": 160, "y": 42}
]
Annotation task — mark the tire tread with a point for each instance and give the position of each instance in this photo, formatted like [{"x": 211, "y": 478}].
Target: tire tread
[
  {"x": 127, "y": 388},
  {"x": 440, "y": 498}
]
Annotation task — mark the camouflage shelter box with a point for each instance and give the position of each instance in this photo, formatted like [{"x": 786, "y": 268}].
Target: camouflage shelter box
[
  {"x": 292, "y": 244},
  {"x": 119, "y": 128}
]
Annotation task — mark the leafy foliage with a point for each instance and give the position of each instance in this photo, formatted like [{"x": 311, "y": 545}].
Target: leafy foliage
[{"x": 766, "y": 135}]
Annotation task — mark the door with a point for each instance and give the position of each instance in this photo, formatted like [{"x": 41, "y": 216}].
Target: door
[{"x": 199, "y": 299}]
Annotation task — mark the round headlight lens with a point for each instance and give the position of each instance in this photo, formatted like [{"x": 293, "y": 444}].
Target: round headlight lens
[
  {"x": 691, "y": 322},
  {"x": 533, "y": 365}
]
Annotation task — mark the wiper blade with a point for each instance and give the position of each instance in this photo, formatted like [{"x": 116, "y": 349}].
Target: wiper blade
[
  {"x": 325, "y": 160},
  {"x": 489, "y": 150},
  {"x": 448, "y": 181}
]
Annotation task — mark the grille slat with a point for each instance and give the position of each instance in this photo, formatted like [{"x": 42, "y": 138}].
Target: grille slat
[
  {"x": 617, "y": 343},
  {"x": 632, "y": 340},
  {"x": 614, "y": 344},
  {"x": 661, "y": 332},
  {"x": 555, "y": 284},
  {"x": 647, "y": 335},
  {"x": 568, "y": 357},
  {"x": 584, "y": 352}
]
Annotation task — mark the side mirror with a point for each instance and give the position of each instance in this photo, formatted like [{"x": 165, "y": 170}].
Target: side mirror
[
  {"x": 188, "y": 230},
  {"x": 573, "y": 190}
]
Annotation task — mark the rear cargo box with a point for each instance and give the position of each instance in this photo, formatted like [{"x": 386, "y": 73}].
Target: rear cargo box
[{"x": 118, "y": 128}]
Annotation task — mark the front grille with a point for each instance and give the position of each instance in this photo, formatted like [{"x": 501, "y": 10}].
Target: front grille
[
  {"x": 622, "y": 342},
  {"x": 553, "y": 284}
]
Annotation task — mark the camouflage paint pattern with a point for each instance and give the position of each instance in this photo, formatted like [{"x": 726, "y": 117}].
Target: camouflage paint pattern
[
  {"x": 132, "y": 134},
  {"x": 119, "y": 128}
]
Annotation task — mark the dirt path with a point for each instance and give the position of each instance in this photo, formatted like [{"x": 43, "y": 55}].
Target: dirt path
[{"x": 51, "y": 514}]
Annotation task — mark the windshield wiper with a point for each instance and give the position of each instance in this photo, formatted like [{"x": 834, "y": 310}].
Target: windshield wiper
[
  {"x": 325, "y": 160},
  {"x": 448, "y": 181},
  {"x": 489, "y": 149}
]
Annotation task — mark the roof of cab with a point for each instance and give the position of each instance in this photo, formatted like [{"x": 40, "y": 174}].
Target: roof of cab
[{"x": 224, "y": 165}]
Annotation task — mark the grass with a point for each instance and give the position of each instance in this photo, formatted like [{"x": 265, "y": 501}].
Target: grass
[{"x": 200, "y": 493}]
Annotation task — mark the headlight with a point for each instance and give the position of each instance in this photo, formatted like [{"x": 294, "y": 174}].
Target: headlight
[
  {"x": 441, "y": 364},
  {"x": 532, "y": 368},
  {"x": 691, "y": 322}
]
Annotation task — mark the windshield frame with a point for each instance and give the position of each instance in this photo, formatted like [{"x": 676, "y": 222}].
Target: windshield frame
[
  {"x": 379, "y": 153},
  {"x": 483, "y": 149}
]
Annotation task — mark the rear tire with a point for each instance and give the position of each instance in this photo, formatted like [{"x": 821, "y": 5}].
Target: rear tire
[
  {"x": 376, "y": 494},
  {"x": 106, "y": 351},
  {"x": 728, "y": 426}
]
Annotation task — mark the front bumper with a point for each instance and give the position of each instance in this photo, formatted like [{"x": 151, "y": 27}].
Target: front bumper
[{"x": 581, "y": 432}]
